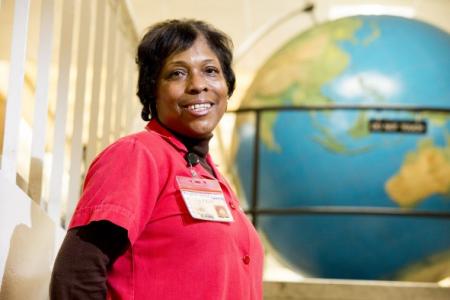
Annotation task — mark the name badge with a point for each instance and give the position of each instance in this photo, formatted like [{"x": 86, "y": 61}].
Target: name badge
[{"x": 204, "y": 199}]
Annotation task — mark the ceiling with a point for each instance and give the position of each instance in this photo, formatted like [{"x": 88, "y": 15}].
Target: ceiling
[{"x": 240, "y": 18}]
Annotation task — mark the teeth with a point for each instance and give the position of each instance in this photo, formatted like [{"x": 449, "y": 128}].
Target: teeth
[{"x": 199, "y": 107}]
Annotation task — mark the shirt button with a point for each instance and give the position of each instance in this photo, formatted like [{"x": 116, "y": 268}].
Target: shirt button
[
  {"x": 232, "y": 205},
  {"x": 246, "y": 259}
]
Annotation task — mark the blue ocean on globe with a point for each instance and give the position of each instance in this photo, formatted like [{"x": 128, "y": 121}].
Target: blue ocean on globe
[{"x": 315, "y": 158}]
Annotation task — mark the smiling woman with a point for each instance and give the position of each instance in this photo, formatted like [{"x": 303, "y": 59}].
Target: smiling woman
[{"x": 148, "y": 224}]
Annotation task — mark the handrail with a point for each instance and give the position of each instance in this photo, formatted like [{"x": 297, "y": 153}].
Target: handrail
[
  {"x": 349, "y": 210},
  {"x": 336, "y": 106},
  {"x": 71, "y": 99}
]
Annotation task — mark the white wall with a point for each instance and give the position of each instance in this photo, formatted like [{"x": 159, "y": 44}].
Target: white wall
[{"x": 28, "y": 244}]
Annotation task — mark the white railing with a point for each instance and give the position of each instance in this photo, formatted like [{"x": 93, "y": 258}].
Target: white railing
[{"x": 70, "y": 91}]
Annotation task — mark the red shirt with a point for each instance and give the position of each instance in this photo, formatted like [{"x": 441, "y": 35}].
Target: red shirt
[{"x": 172, "y": 256}]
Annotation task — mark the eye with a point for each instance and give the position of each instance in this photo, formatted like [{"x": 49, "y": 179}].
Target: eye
[
  {"x": 176, "y": 74},
  {"x": 212, "y": 70}
]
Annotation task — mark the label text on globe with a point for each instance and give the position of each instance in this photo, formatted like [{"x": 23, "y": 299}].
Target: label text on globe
[{"x": 403, "y": 126}]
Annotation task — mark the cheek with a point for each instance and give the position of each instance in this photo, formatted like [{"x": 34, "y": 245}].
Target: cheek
[
  {"x": 223, "y": 106},
  {"x": 169, "y": 91},
  {"x": 166, "y": 100},
  {"x": 221, "y": 110},
  {"x": 220, "y": 87},
  {"x": 168, "y": 109}
]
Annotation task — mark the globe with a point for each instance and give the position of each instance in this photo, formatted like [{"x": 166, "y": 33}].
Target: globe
[{"x": 379, "y": 172}]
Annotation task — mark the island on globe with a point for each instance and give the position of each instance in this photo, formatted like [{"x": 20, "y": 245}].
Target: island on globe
[{"x": 337, "y": 157}]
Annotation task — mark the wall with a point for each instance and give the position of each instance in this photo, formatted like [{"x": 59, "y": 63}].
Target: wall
[{"x": 29, "y": 240}]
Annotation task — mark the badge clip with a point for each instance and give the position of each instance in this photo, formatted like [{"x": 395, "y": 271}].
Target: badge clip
[{"x": 192, "y": 159}]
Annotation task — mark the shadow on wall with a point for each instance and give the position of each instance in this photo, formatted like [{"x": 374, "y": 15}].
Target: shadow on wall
[
  {"x": 2, "y": 117},
  {"x": 28, "y": 244}
]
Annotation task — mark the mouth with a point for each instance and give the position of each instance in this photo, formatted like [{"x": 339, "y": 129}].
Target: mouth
[{"x": 199, "y": 108}]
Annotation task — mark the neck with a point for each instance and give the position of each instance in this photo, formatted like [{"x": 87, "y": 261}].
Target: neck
[{"x": 199, "y": 146}]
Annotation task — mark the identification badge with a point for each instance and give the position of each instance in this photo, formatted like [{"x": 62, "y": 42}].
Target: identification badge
[{"x": 204, "y": 199}]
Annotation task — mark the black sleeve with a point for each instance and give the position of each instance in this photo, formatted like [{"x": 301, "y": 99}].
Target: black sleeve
[{"x": 85, "y": 255}]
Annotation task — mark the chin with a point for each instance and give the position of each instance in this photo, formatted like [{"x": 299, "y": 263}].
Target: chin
[{"x": 200, "y": 133}]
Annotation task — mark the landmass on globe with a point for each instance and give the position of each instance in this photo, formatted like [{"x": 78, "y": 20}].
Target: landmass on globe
[
  {"x": 424, "y": 173},
  {"x": 321, "y": 60},
  {"x": 328, "y": 140}
]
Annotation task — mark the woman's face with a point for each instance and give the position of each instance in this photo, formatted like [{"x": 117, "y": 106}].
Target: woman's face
[{"x": 191, "y": 93}]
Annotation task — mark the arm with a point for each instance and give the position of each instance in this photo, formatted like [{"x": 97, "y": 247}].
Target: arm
[{"x": 80, "y": 269}]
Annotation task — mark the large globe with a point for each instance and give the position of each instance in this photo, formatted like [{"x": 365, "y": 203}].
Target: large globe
[{"x": 330, "y": 159}]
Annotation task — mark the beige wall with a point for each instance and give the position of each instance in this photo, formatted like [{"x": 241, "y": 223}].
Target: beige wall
[
  {"x": 28, "y": 243},
  {"x": 2, "y": 117}
]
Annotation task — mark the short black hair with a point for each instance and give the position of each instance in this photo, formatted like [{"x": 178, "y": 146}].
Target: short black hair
[{"x": 170, "y": 37}]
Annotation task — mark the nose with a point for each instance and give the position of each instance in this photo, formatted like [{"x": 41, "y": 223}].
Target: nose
[{"x": 196, "y": 83}]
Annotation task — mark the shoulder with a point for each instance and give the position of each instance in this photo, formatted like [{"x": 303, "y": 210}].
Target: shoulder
[
  {"x": 140, "y": 141},
  {"x": 126, "y": 157},
  {"x": 131, "y": 147}
]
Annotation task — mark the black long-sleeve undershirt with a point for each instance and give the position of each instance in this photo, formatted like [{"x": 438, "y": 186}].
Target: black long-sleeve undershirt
[{"x": 82, "y": 263}]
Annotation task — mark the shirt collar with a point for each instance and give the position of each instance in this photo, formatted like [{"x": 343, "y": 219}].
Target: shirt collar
[{"x": 157, "y": 128}]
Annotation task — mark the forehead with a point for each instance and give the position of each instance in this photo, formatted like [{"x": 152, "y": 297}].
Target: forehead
[{"x": 199, "y": 51}]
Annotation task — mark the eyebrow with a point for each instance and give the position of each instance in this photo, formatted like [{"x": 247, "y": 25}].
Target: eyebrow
[{"x": 182, "y": 62}]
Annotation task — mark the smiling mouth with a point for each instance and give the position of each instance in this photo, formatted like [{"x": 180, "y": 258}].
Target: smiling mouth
[{"x": 198, "y": 108}]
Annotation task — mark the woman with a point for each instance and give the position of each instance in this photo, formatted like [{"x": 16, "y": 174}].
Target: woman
[{"x": 156, "y": 219}]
